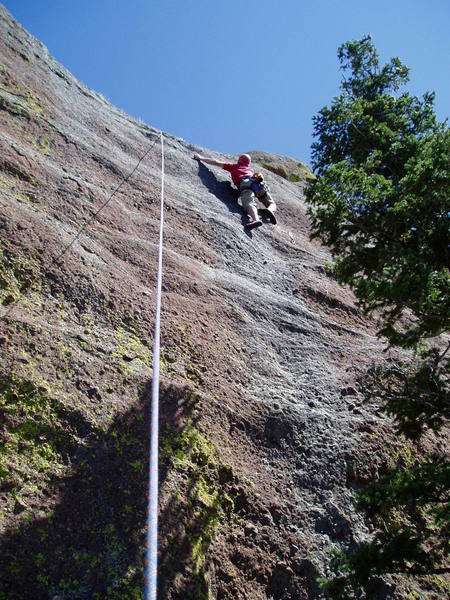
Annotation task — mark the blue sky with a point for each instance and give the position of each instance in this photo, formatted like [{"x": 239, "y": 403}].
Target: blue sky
[{"x": 237, "y": 75}]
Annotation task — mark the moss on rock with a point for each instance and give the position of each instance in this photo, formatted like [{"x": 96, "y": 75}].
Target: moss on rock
[
  {"x": 202, "y": 503},
  {"x": 17, "y": 274},
  {"x": 34, "y": 440}
]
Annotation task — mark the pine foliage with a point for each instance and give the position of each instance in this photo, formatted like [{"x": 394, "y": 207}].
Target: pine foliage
[{"x": 381, "y": 202}]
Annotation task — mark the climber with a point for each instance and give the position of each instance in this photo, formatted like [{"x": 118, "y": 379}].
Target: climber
[{"x": 250, "y": 185}]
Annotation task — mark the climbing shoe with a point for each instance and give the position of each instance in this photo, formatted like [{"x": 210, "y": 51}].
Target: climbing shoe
[
  {"x": 253, "y": 225},
  {"x": 265, "y": 212}
]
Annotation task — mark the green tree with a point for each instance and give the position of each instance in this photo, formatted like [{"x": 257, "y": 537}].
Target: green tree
[
  {"x": 382, "y": 198},
  {"x": 381, "y": 202}
]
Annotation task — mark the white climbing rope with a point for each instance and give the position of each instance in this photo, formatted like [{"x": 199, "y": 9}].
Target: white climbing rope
[{"x": 151, "y": 562}]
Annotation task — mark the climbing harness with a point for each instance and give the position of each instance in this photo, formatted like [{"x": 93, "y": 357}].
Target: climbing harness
[
  {"x": 258, "y": 183},
  {"x": 254, "y": 182},
  {"x": 151, "y": 560}
]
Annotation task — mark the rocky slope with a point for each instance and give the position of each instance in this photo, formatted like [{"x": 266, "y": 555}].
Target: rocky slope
[{"x": 263, "y": 432}]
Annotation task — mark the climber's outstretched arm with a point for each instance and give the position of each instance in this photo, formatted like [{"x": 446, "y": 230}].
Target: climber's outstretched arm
[{"x": 209, "y": 161}]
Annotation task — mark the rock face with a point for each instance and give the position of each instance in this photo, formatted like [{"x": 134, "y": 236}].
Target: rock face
[
  {"x": 284, "y": 166},
  {"x": 263, "y": 431}
]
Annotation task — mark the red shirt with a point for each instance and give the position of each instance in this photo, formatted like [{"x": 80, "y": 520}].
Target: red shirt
[{"x": 238, "y": 172}]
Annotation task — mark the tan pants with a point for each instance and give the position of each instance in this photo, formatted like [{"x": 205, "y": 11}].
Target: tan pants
[{"x": 248, "y": 196}]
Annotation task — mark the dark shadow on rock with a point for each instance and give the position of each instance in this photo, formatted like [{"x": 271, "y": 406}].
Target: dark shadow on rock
[
  {"x": 91, "y": 543},
  {"x": 180, "y": 520},
  {"x": 223, "y": 190},
  {"x": 248, "y": 233}
]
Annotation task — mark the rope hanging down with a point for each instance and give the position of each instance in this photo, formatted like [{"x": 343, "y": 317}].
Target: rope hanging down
[{"x": 151, "y": 562}]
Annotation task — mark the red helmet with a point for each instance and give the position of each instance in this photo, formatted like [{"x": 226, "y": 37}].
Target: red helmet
[{"x": 244, "y": 159}]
